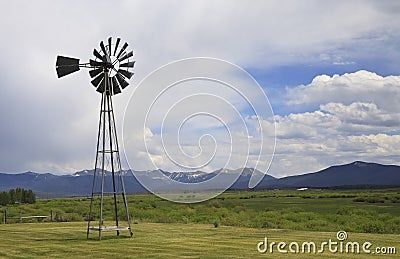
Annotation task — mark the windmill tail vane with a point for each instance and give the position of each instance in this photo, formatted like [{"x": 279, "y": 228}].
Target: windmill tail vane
[
  {"x": 110, "y": 73},
  {"x": 112, "y": 59}
]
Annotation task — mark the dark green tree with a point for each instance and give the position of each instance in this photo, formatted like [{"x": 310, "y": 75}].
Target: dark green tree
[
  {"x": 30, "y": 197},
  {"x": 18, "y": 195},
  {"x": 13, "y": 197},
  {"x": 4, "y": 198}
]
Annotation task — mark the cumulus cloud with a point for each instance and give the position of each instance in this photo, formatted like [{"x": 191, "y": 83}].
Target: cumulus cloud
[
  {"x": 361, "y": 117},
  {"x": 360, "y": 86},
  {"x": 357, "y": 119}
]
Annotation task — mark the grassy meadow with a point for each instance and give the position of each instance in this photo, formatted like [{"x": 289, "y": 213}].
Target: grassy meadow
[
  {"x": 369, "y": 211},
  {"x": 228, "y": 226}
]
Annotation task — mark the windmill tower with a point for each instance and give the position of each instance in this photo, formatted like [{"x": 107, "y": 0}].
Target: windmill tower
[{"x": 110, "y": 72}]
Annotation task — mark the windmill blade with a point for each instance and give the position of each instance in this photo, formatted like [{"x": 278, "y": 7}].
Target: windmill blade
[
  {"x": 66, "y": 65},
  {"x": 122, "y": 50},
  {"x": 121, "y": 81},
  {"x": 109, "y": 45},
  {"x": 125, "y": 73},
  {"x": 114, "y": 81},
  {"x": 99, "y": 79},
  {"x": 94, "y": 63},
  {"x": 97, "y": 54},
  {"x": 129, "y": 64},
  {"x": 116, "y": 45},
  {"x": 95, "y": 72},
  {"x": 103, "y": 48},
  {"x": 130, "y": 54},
  {"x": 100, "y": 89},
  {"x": 115, "y": 86}
]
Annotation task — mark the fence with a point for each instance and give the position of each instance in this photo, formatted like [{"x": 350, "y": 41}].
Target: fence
[{"x": 20, "y": 218}]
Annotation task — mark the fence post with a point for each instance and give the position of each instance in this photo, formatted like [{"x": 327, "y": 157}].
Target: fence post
[
  {"x": 51, "y": 215},
  {"x": 5, "y": 216},
  {"x": 20, "y": 215}
]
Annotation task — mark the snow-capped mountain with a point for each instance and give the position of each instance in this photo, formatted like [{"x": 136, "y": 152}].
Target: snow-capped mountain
[{"x": 80, "y": 183}]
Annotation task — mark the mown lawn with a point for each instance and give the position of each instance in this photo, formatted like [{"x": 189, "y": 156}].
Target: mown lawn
[{"x": 156, "y": 240}]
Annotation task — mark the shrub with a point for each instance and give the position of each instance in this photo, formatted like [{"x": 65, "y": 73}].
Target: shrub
[
  {"x": 375, "y": 200},
  {"x": 373, "y": 227},
  {"x": 74, "y": 217},
  {"x": 265, "y": 224},
  {"x": 163, "y": 219},
  {"x": 393, "y": 225},
  {"x": 216, "y": 223},
  {"x": 231, "y": 220},
  {"x": 86, "y": 218},
  {"x": 359, "y": 199},
  {"x": 61, "y": 218},
  {"x": 239, "y": 208},
  {"x": 215, "y": 203},
  {"x": 344, "y": 211}
]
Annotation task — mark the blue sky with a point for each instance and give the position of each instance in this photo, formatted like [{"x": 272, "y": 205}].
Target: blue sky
[
  {"x": 276, "y": 79},
  {"x": 331, "y": 70}
]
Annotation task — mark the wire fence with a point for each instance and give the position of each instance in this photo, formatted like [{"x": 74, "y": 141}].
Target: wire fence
[{"x": 21, "y": 217}]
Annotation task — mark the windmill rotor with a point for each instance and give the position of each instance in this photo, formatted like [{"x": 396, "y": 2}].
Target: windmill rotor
[{"x": 109, "y": 70}]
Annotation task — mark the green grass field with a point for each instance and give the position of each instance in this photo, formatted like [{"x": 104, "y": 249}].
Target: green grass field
[
  {"x": 155, "y": 240},
  {"x": 164, "y": 229}
]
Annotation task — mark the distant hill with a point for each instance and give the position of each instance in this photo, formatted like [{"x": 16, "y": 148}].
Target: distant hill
[
  {"x": 356, "y": 173},
  {"x": 80, "y": 183}
]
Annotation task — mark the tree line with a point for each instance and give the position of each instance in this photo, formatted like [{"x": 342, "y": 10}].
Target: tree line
[{"x": 18, "y": 195}]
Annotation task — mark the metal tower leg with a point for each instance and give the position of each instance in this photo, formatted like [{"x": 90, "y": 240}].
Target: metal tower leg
[
  {"x": 95, "y": 171},
  {"x": 112, "y": 159},
  {"x": 120, "y": 174},
  {"x": 109, "y": 148}
]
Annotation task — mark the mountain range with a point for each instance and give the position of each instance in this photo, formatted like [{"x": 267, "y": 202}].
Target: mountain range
[{"x": 80, "y": 183}]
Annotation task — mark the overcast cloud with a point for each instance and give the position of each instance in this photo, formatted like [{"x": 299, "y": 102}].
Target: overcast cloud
[{"x": 50, "y": 124}]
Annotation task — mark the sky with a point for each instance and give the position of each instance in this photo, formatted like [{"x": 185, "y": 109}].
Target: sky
[{"x": 330, "y": 71}]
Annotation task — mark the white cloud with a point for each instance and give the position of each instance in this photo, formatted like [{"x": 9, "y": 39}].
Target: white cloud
[
  {"x": 361, "y": 86},
  {"x": 363, "y": 117},
  {"x": 357, "y": 119}
]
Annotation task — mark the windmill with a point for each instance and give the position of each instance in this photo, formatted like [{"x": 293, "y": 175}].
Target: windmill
[{"x": 109, "y": 72}]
